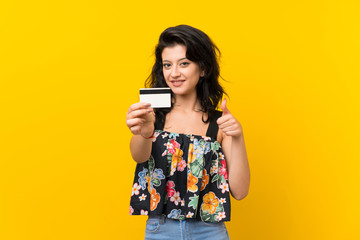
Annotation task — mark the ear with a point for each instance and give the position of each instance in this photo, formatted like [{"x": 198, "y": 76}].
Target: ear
[{"x": 202, "y": 73}]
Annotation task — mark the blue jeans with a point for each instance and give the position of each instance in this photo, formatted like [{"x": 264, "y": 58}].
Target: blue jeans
[{"x": 161, "y": 228}]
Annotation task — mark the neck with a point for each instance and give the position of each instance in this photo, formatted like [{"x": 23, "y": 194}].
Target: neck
[{"x": 187, "y": 103}]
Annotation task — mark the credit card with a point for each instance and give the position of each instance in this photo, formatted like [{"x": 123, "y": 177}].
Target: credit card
[{"x": 157, "y": 97}]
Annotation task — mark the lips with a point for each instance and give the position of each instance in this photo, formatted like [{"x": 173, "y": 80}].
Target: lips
[{"x": 177, "y": 83}]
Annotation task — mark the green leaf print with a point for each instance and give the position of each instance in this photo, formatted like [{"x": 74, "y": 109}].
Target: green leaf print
[
  {"x": 197, "y": 166},
  {"x": 215, "y": 178},
  {"x": 215, "y": 146},
  {"x": 156, "y": 181},
  {"x": 220, "y": 180},
  {"x": 220, "y": 208},
  {"x": 151, "y": 163},
  {"x": 206, "y": 216},
  {"x": 194, "y": 201},
  {"x": 173, "y": 135},
  {"x": 169, "y": 160},
  {"x": 202, "y": 143}
]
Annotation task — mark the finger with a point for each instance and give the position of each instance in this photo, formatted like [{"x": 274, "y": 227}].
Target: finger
[
  {"x": 233, "y": 133},
  {"x": 151, "y": 110},
  {"x": 139, "y": 105},
  {"x": 228, "y": 129},
  {"x": 135, "y": 130},
  {"x": 224, "y": 108},
  {"x": 223, "y": 119},
  {"x": 224, "y": 128},
  {"x": 138, "y": 113},
  {"x": 135, "y": 121}
]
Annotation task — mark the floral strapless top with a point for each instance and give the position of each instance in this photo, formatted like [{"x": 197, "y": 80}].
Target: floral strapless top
[{"x": 185, "y": 177}]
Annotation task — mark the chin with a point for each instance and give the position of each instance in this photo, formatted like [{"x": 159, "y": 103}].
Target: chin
[{"x": 179, "y": 92}]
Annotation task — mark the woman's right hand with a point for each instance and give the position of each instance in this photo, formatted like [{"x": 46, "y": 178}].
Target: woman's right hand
[{"x": 140, "y": 119}]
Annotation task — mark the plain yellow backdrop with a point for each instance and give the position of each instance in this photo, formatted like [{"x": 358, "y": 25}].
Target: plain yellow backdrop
[{"x": 70, "y": 69}]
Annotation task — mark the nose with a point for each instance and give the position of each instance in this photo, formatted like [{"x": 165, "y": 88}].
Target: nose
[{"x": 175, "y": 72}]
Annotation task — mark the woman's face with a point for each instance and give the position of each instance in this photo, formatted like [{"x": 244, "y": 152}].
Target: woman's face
[{"x": 181, "y": 74}]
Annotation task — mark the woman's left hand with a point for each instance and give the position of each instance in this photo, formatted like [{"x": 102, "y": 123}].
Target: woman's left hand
[{"x": 228, "y": 123}]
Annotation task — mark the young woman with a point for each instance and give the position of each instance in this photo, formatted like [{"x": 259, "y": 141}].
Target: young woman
[{"x": 189, "y": 156}]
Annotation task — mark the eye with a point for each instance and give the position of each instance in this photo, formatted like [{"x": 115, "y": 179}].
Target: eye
[
  {"x": 166, "y": 65},
  {"x": 184, "y": 63}
]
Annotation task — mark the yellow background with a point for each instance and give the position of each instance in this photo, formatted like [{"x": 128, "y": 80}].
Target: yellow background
[{"x": 70, "y": 69}]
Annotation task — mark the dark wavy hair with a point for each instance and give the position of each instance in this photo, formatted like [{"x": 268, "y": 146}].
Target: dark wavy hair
[{"x": 199, "y": 49}]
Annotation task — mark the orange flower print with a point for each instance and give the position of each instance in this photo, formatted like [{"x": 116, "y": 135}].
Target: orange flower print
[
  {"x": 204, "y": 180},
  {"x": 176, "y": 159},
  {"x": 191, "y": 183},
  {"x": 154, "y": 200},
  {"x": 191, "y": 155},
  {"x": 210, "y": 203},
  {"x": 148, "y": 180}
]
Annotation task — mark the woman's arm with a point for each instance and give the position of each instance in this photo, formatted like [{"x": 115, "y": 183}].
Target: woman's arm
[
  {"x": 233, "y": 145},
  {"x": 140, "y": 148},
  {"x": 140, "y": 120}
]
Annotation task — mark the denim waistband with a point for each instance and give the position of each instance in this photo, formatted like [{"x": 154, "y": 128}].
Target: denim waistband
[
  {"x": 160, "y": 217},
  {"x": 162, "y": 227}
]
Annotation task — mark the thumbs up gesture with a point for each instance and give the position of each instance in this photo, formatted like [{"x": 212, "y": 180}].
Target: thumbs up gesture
[{"x": 228, "y": 123}]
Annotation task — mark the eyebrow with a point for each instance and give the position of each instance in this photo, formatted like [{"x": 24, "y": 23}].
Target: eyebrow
[{"x": 177, "y": 60}]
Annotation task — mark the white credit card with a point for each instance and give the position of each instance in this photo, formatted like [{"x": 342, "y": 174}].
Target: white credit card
[{"x": 157, "y": 97}]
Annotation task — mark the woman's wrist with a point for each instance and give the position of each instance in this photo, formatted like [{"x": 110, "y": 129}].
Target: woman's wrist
[{"x": 145, "y": 135}]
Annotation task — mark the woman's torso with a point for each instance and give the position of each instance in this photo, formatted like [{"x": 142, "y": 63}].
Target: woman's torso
[{"x": 185, "y": 176}]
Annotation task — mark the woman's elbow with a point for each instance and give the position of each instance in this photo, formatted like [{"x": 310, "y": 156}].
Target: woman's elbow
[
  {"x": 139, "y": 158},
  {"x": 239, "y": 196}
]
